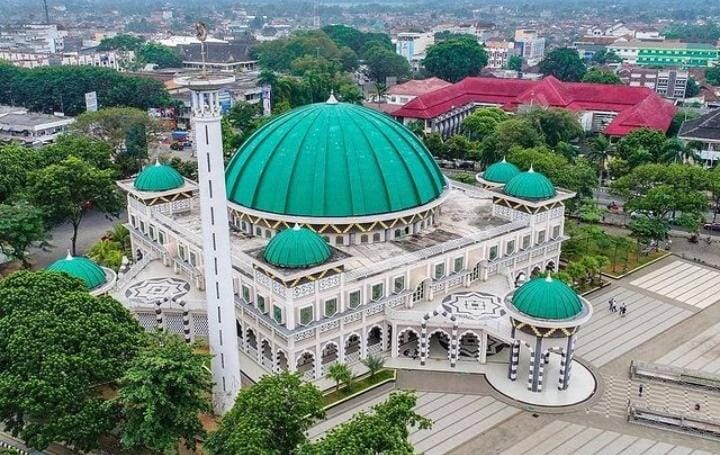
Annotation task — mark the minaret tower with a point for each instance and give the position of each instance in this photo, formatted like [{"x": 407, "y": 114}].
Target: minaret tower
[{"x": 206, "y": 117}]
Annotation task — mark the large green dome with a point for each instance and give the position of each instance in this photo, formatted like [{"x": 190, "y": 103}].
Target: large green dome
[
  {"x": 297, "y": 248},
  {"x": 158, "y": 177},
  {"x": 333, "y": 160},
  {"x": 79, "y": 267},
  {"x": 500, "y": 172},
  {"x": 547, "y": 298},
  {"x": 530, "y": 185}
]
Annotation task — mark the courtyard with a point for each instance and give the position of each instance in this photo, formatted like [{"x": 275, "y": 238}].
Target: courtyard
[{"x": 672, "y": 320}]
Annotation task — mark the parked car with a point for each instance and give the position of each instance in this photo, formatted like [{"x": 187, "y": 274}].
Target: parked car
[{"x": 712, "y": 226}]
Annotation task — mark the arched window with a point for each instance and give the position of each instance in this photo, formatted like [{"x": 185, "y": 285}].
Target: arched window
[
  {"x": 376, "y": 237},
  {"x": 364, "y": 238}
]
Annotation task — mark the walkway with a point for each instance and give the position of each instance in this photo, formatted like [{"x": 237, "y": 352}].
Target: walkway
[
  {"x": 685, "y": 282},
  {"x": 701, "y": 353},
  {"x": 608, "y": 336},
  {"x": 457, "y": 418},
  {"x": 568, "y": 438}
]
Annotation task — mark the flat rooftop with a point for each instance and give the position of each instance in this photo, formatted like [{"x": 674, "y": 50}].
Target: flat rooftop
[{"x": 463, "y": 214}]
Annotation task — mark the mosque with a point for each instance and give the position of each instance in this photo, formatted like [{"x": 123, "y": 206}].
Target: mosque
[{"x": 332, "y": 235}]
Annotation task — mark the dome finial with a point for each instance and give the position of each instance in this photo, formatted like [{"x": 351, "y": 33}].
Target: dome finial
[
  {"x": 69, "y": 256},
  {"x": 531, "y": 168},
  {"x": 296, "y": 227},
  {"x": 332, "y": 99},
  {"x": 504, "y": 160},
  {"x": 157, "y": 161},
  {"x": 548, "y": 277}
]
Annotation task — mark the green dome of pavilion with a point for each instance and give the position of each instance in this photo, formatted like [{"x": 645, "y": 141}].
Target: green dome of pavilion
[
  {"x": 297, "y": 248},
  {"x": 530, "y": 185},
  {"x": 158, "y": 177},
  {"x": 500, "y": 172},
  {"x": 80, "y": 267},
  {"x": 333, "y": 160},
  {"x": 547, "y": 298}
]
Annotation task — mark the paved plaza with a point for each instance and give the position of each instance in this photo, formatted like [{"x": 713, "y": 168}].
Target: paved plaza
[{"x": 672, "y": 320}]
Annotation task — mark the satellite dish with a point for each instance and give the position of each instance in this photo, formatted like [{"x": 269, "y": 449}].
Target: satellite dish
[{"x": 201, "y": 31}]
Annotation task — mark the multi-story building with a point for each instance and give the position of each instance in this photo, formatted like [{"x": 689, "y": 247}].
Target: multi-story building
[
  {"x": 32, "y": 38},
  {"x": 611, "y": 109},
  {"x": 530, "y": 46},
  {"x": 29, "y": 128},
  {"x": 413, "y": 46},
  {"x": 105, "y": 59},
  {"x": 499, "y": 52},
  {"x": 668, "y": 83},
  {"x": 704, "y": 133},
  {"x": 345, "y": 241},
  {"x": 666, "y": 53},
  {"x": 232, "y": 56}
]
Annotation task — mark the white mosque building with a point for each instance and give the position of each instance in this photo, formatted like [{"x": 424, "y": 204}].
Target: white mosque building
[{"x": 345, "y": 240}]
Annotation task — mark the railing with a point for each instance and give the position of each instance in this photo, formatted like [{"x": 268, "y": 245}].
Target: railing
[
  {"x": 251, "y": 351},
  {"x": 676, "y": 375},
  {"x": 309, "y": 375},
  {"x": 374, "y": 348},
  {"x": 352, "y": 357},
  {"x": 686, "y": 424},
  {"x": 420, "y": 255},
  {"x": 132, "y": 272}
]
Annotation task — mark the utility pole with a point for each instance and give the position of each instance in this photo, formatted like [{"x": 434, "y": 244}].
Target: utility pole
[{"x": 47, "y": 14}]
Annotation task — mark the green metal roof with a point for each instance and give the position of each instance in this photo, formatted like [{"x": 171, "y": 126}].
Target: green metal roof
[
  {"x": 333, "y": 160},
  {"x": 547, "y": 298},
  {"x": 80, "y": 267},
  {"x": 500, "y": 172},
  {"x": 297, "y": 248},
  {"x": 158, "y": 177},
  {"x": 530, "y": 185}
]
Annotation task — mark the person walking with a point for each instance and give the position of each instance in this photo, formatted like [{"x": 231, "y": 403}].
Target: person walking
[
  {"x": 640, "y": 390},
  {"x": 611, "y": 303},
  {"x": 623, "y": 310}
]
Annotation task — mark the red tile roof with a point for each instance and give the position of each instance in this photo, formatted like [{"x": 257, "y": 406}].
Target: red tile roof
[
  {"x": 636, "y": 106},
  {"x": 418, "y": 87}
]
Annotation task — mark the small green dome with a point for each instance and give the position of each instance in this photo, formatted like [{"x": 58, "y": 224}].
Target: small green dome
[
  {"x": 297, "y": 248},
  {"x": 80, "y": 267},
  {"x": 547, "y": 298},
  {"x": 158, "y": 177},
  {"x": 530, "y": 185},
  {"x": 333, "y": 160},
  {"x": 500, "y": 172}
]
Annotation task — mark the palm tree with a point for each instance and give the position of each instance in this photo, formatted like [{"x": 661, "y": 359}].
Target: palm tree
[
  {"x": 374, "y": 364},
  {"x": 341, "y": 374},
  {"x": 600, "y": 152}
]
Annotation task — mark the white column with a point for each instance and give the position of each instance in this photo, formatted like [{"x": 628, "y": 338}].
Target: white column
[{"x": 216, "y": 250}]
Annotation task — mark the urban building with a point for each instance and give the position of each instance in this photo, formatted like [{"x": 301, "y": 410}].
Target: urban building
[
  {"x": 376, "y": 254},
  {"x": 232, "y": 56},
  {"x": 29, "y": 128},
  {"x": 666, "y": 53},
  {"x": 530, "y": 46},
  {"x": 499, "y": 52},
  {"x": 704, "y": 132},
  {"x": 105, "y": 59},
  {"x": 413, "y": 47},
  {"x": 611, "y": 109},
  {"x": 32, "y": 38},
  {"x": 400, "y": 94},
  {"x": 668, "y": 83}
]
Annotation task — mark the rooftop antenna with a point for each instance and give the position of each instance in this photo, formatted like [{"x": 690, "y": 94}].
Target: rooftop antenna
[
  {"x": 316, "y": 17},
  {"x": 201, "y": 34},
  {"x": 47, "y": 14}
]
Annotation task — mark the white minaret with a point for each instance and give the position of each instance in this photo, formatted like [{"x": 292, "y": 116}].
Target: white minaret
[{"x": 206, "y": 117}]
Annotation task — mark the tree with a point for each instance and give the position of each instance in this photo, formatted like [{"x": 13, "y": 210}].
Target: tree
[
  {"x": 384, "y": 430},
  {"x": 514, "y": 132},
  {"x": 60, "y": 349},
  {"x": 383, "y": 63},
  {"x": 604, "y": 56},
  {"x": 482, "y": 122},
  {"x": 692, "y": 89},
  {"x": 435, "y": 144},
  {"x": 16, "y": 162},
  {"x": 563, "y": 63},
  {"x": 555, "y": 125},
  {"x": 107, "y": 253},
  {"x": 652, "y": 141},
  {"x": 455, "y": 59},
  {"x": 600, "y": 153},
  {"x": 599, "y": 76},
  {"x": 515, "y": 63},
  {"x": 21, "y": 225},
  {"x": 341, "y": 374},
  {"x": 712, "y": 75},
  {"x": 122, "y": 42},
  {"x": 162, "y": 56},
  {"x": 114, "y": 125},
  {"x": 162, "y": 392},
  {"x": 374, "y": 364},
  {"x": 457, "y": 147},
  {"x": 67, "y": 190},
  {"x": 270, "y": 417}
]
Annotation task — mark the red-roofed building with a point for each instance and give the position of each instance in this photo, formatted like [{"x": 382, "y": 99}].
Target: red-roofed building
[{"x": 612, "y": 109}]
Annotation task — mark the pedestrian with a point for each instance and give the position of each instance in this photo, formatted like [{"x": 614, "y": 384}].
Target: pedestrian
[
  {"x": 611, "y": 302},
  {"x": 623, "y": 309},
  {"x": 640, "y": 390},
  {"x": 613, "y": 307},
  {"x": 697, "y": 406}
]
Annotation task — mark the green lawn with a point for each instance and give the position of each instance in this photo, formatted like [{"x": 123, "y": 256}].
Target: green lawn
[{"x": 357, "y": 386}]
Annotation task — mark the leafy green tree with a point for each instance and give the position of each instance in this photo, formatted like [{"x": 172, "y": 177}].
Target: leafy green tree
[
  {"x": 712, "y": 75},
  {"x": 456, "y": 59},
  {"x": 113, "y": 125},
  {"x": 483, "y": 122},
  {"x": 186, "y": 168},
  {"x": 60, "y": 350},
  {"x": 271, "y": 417},
  {"x": 374, "y": 364},
  {"x": 66, "y": 191},
  {"x": 122, "y": 42},
  {"x": 359, "y": 42},
  {"x": 515, "y": 63},
  {"x": 383, "y": 63},
  {"x": 692, "y": 89},
  {"x": 21, "y": 225},
  {"x": 278, "y": 55},
  {"x": 458, "y": 147},
  {"x": 385, "y": 430},
  {"x": 555, "y": 125},
  {"x": 604, "y": 56},
  {"x": 435, "y": 144},
  {"x": 16, "y": 162},
  {"x": 563, "y": 63},
  {"x": 162, "y": 56},
  {"x": 511, "y": 133},
  {"x": 708, "y": 32},
  {"x": 341, "y": 374},
  {"x": 652, "y": 141},
  {"x": 600, "y": 76},
  {"x": 107, "y": 253},
  {"x": 599, "y": 153},
  {"x": 162, "y": 392}
]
